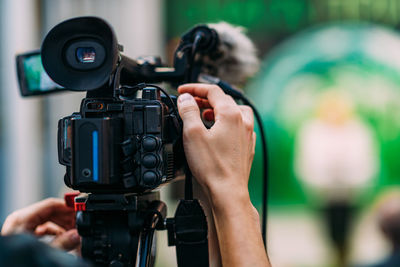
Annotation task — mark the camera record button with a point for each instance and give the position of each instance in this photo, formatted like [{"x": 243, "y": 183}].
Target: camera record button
[
  {"x": 149, "y": 143},
  {"x": 150, "y": 178},
  {"x": 149, "y": 161}
]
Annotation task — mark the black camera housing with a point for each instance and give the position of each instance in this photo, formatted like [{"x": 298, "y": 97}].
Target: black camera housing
[
  {"x": 121, "y": 141},
  {"x": 125, "y": 141},
  {"x": 121, "y": 146}
]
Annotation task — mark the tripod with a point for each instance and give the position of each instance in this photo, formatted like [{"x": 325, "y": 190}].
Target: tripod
[{"x": 118, "y": 229}]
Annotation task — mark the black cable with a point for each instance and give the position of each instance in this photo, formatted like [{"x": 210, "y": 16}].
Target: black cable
[
  {"x": 141, "y": 86},
  {"x": 265, "y": 169},
  {"x": 174, "y": 108},
  {"x": 228, "y": 89}
]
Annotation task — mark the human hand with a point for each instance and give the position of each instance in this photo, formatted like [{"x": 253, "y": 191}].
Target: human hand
[
  {"x": 220, "y": 157},
  {"x": 47, "y": 217}
]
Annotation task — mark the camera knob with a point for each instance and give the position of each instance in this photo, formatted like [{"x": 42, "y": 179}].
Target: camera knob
[
  {"x": 149, "y": 143},
  {"x": 150, "y": 178},
  {"x": 149, "y": 161}
]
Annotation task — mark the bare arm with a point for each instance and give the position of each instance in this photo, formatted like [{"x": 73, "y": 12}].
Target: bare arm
[
  {"x": 220, "y": 158},
  {"x": 47, "y": 217}
]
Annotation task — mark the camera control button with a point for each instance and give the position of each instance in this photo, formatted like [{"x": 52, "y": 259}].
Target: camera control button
[
  {"x": 128, "y": 147},
  {"x": 149, "y": 161},
  {"x": 150, "y": 178},
  {"x": 149, "y": 143},
  {"x": 152, "y": 119}
]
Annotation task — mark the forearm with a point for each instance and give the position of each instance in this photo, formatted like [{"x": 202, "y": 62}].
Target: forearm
[
  {"x": 238, "y": 229},
  {"x": 220, "y": 158}
]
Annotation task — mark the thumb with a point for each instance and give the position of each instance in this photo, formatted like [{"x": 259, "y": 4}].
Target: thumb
[
  {"x": 190, "y": 113},
  {"x": 67, "y": 241}
]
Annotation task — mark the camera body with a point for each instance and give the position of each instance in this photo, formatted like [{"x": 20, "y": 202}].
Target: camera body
[
  {"x": 130, "y": 145},
  {"x": 127, "y": 136},
  {"x": 125, "y": 141}
]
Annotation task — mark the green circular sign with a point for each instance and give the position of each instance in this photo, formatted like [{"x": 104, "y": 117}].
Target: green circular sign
[{"x": 330, "y": 101}]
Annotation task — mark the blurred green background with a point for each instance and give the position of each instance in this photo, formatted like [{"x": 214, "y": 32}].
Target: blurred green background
[{"x": 321, "y": 60}]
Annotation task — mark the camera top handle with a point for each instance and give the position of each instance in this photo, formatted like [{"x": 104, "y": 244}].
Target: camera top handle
[
  {"x": 200, "y": 39},
  {"x": 82, "y": 54}
]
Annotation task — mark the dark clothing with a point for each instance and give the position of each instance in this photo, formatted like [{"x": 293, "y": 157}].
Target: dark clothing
[
  {"x": 26, "y": 250},
  {"x": 391, "y": 261},
  {"x": 338, "y": 217}
]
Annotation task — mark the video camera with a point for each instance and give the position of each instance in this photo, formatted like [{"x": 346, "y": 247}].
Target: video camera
[
  {"x": 119, "y": 141},
  {"x": 126, "y": 140}
]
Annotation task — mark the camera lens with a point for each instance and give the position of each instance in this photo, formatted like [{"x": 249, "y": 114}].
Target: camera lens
[{"x": 86, "y": 54}]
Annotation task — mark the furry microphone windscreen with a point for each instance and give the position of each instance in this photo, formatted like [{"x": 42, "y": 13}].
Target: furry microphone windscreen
[{"x": 235, "y": 59}]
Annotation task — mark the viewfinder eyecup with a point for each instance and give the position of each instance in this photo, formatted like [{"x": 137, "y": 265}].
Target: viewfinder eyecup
[{"x": 81, "y": 53}]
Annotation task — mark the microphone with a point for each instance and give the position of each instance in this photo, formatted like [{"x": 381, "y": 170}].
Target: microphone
[{"x": 234, "y": 59}]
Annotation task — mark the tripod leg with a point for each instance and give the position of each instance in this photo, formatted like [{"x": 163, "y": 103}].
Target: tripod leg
[{"x": 146, "y": 257}]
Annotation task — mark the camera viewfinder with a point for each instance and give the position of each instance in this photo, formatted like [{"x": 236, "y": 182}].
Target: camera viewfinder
[{"x": 86, "y": 54}]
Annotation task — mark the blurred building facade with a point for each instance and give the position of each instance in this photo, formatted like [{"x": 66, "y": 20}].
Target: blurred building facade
[{"x": 28, "y": 147}]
